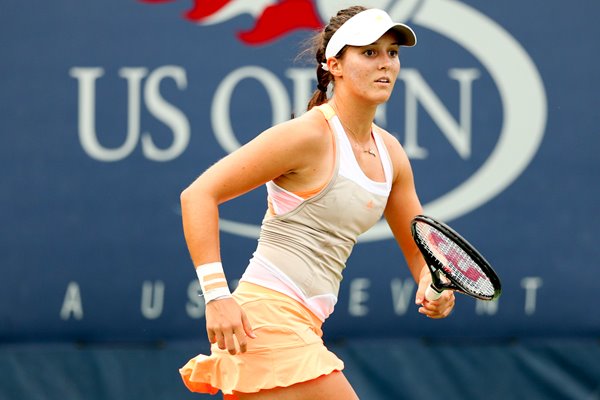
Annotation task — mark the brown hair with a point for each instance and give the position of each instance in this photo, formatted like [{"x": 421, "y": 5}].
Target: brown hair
[{"x": 319, "y": 44}]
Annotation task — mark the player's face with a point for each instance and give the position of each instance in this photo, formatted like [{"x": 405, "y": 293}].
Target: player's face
[{"x": 371, "y": 71}]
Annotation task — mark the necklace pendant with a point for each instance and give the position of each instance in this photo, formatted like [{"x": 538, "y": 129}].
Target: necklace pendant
[{"x": 371, "y": 152}]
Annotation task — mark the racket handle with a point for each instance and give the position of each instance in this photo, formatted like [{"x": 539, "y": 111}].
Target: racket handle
[{"x": 432, "y": 294}]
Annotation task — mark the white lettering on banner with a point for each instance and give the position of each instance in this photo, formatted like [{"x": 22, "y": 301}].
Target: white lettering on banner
[
  {"x": 402, "y": 294},
  {"x": 72, "y": 306},
  {"x": 531, "y": 284},
  {"x": 153, "y": 299},
  {"x": 87, "y": 112},
  {"x": 220, "y": 116},
  {"x": 458, "y": 134},
  {"x": 418, "y": 91},
  {"x": 157, "y": 106},
  {"x": 403, "y": 291},
  {"x": 358, "y": 296},
  {"x": 166, "y": 113}
]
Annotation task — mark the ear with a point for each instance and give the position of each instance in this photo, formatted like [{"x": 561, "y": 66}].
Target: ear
[{"x": 335, "y": 66}]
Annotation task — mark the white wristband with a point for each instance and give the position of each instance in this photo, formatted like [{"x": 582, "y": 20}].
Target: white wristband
[{"x": 212, "y": 281}]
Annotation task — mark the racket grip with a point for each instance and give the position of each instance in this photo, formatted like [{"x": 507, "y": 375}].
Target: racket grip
[{"x": 432, "y": 294}]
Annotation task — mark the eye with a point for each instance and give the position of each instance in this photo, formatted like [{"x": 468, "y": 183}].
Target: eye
[
  {"x": 393, "y": 53},
  {"x": 369, "y": 52}
]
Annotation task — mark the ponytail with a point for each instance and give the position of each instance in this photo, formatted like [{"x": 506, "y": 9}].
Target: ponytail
[
  {"x": 323, "y": 79},
  {"x": 320, "y": 41}
]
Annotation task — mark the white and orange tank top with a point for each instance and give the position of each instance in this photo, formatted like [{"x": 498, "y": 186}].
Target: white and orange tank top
[{"x": 306, "y": 238}]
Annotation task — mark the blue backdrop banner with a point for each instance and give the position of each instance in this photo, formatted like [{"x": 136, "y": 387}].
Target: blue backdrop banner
[{"x": 110, "y": 109}]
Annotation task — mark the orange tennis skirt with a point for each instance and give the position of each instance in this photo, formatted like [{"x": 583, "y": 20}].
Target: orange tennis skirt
[{"x": 288, "y": 349}]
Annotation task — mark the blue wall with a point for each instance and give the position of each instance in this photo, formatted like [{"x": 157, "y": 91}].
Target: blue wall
[{"x": 109, "y": 109}]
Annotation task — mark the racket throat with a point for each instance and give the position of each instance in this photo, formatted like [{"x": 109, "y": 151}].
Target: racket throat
[
  {"x": 438, "y": 281},
  {"x": 436, "y": 288},
  {"x": 434, "y": 291}
]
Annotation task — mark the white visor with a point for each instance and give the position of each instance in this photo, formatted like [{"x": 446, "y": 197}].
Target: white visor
[{"x": 365, "y": 28}]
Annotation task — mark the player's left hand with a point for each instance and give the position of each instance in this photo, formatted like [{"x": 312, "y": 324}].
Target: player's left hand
[{"x": 439, "y": 308}]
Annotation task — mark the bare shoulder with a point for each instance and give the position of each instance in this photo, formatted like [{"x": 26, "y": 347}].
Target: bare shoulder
[
  {"x": 391, "y": 142},
  {"x": 306, "y": 134},
  {"x": 310, "y": 127}
]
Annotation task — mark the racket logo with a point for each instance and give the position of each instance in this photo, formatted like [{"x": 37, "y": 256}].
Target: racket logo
[{"x": 455, "y": 259}]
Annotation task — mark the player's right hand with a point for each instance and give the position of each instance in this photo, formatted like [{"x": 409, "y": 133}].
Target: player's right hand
[{"x": 227, "y": 323}]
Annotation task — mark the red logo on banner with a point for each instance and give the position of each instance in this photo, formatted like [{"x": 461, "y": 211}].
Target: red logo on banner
[{"x": 273, "y": 19}]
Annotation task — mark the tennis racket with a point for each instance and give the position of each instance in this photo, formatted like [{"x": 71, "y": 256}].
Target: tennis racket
[{"x": 454, "y": 263}]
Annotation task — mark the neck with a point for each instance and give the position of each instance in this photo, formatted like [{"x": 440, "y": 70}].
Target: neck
[{"x": 355, "y": 116}]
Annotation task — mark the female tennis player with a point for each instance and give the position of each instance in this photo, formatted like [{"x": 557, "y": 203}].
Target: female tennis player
[{"x": 330, "y": 175}]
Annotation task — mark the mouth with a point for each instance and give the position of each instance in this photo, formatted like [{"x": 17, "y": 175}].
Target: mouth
[{"x": 383, "y": 80}]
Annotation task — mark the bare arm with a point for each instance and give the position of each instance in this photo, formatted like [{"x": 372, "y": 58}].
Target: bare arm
[
  {"x": 403, "y": 204},
  {"x": 294, "y": 149}
]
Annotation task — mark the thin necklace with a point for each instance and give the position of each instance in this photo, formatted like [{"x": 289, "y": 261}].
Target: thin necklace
[{"x": 370, "y": 150}]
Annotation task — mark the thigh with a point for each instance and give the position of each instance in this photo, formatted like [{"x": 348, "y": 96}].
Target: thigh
[{"x": 334, "y": 386}]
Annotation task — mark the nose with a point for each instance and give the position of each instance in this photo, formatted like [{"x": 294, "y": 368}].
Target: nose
[{"x": 385, "y": 62}]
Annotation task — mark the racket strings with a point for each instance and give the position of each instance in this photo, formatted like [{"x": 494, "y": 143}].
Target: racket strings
[{"x": 457, "y": 264}]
